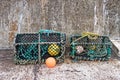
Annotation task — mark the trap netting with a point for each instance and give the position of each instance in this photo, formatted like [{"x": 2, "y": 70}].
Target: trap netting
[
  {"x": 26, "y": 48},
  {"x": 90, "y": 46},
  {"x": 36, "y": 47},
  {"x": 52, "y": 45}
]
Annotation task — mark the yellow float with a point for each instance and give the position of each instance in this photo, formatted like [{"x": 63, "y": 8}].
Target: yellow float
[{"x": 53, "y": 49}]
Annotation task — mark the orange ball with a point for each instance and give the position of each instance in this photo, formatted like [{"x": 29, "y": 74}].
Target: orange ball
[{"x": 50, "y": 62}]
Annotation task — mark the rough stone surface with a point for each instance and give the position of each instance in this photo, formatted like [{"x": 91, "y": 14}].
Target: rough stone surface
[
  {"x": 82, "y": 70},
  {"x": 69, "y": 16}
]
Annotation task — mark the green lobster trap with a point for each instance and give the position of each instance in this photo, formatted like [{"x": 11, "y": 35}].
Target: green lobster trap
[
  {"x": 37, "y": 47},
  {"x": 90, "y": 46}
]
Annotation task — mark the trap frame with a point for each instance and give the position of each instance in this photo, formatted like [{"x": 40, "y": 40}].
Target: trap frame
[{"x": 32, "y": 48}]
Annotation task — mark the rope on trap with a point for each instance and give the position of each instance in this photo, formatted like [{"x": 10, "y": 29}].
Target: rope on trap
[{"x": 90, "y": 49}]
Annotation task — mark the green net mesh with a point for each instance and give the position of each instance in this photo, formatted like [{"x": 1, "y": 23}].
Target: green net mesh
[
  {"x": 31, "y": 47},
  {"x": 52, "y": 37},
  {"x": 85, "y": 48}
]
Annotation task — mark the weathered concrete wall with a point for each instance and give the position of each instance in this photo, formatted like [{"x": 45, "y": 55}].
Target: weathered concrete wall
[{"x": 69, "y": 16}]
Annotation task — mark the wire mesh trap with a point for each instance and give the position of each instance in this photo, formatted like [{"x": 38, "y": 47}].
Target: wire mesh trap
[
  {"x": 26, "y": 48},
  {"x": 90, "y": 46},
  {"x": 37, "y": 47}
]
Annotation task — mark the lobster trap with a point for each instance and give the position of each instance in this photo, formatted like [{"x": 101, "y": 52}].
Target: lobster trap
[
  {"x": 90, "y": 46},
  {"x": 37, "y": 47}
]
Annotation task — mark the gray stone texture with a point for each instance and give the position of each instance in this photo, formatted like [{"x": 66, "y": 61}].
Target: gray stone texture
[{"x": 68, "y": 16}]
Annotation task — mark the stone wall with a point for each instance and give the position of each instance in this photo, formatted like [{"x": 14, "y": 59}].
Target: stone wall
[{"x": 69, "y": 16}]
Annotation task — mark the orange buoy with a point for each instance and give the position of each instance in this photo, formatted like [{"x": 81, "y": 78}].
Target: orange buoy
[{"x": 50, "y": 62}]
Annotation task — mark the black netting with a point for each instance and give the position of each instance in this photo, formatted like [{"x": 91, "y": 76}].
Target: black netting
[
  {"x": 90, "y": 49},
  {"x": 27, "y": 51},
  {"x": 26, "y": 38},
  {"x": 51, "y": 37}
]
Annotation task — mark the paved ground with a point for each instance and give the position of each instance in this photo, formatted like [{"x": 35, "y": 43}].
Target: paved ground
[{"x": 83, "y": 70}]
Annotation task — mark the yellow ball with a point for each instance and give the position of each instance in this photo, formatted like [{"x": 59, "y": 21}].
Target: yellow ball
[{"x": 53, "y": 49}]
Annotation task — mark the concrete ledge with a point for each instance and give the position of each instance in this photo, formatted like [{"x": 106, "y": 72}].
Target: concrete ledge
[
  {"x": 83, "y": 70},
  {"x": 116, "y": 47}
]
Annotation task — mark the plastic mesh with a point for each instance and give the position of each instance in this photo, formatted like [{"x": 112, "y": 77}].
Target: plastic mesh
[
  {"x": 30, "y": 48},
  {"x": 26, "y": 38},
  {"x": 93, "y": 49},
  {"x": 54, "y": 37},
  {"x": 51, "y": 37},
  {"x": 27, "y": 51}
]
